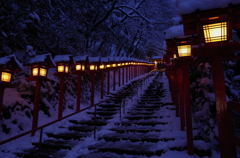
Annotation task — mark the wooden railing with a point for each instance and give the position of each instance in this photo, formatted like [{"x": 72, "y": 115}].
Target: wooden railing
[{"x": 64, "y": 117}]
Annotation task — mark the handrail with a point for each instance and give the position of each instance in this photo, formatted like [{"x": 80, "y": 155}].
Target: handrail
[{"x": 64, "y": 117}]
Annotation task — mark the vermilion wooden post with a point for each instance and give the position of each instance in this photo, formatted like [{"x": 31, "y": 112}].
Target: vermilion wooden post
[
  {"x": 1, "y": 99},
  {"x": 130, "y": 71},
  {"x": 78, "y": 92},
  {"x": 61, "y": 96},
  {"x": 108, "y": 82},
  {"x": 175, "y": 91},
  {"x": 36, "y": 105},
  {"x": 186, "y": 84},
  {"x": 102, "y": 83},
  {"x": 127, "y": 74},
  {"x": 181, "y": 99},
  {"x": 227, "y": 149},
  {"x": 114, "y": 79},
  {"x": 123, "y": 76},
  {"x": 119, "y": 77},
  {"x": 92, "y": 91}
]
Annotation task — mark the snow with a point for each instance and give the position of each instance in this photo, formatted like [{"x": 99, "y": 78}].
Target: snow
[
  {"x": 94, "y": 59},
  {"x": 236, "y": 78},
  {"x": 6, "y": 59},
  {"x": 81, "y": 58},
  {"x": 62, "y": 58},
  {"x": 41, "y": 59},
  {"x": 190, "y": 6},
  {"x": 174, "y": 32},
  {"x": 35, "y": 16}
]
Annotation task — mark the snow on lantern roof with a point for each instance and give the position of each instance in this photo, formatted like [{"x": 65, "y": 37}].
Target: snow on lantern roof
[
  {"x": 41, "y": 59},
  {"x": 104, "y": 60},
  {"x": 64, "y": 58},
  {"x": 174, "y": 31},
  {"x": 157, "y": 57},
  {"x": 81, "y": 58},
  {"x": 190, "y": 6},
  {"x": 94, "y": 59},
  {"x": 6, "y": 59}
]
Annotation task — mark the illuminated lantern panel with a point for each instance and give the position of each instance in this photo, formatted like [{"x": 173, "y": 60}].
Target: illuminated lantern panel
[
  {"x": 119, "y": 64},
  {"x": 101, "y": 67},
  {"x": 92, "y": 67},
  {"x": 35, "y": 71},
  {"x": 66, "y": 69},
  {"x": 215, "y": 32},
  {"x": 43, "y": 72},
  {"x": 108, "y": 65},
  {"x": 6, "y": 77},
  {"x": 184, "y": 50},
  {"x": 174, "y": 55},
  {"x": 60, "y": 68},
  {"x": 78, "y": 67},
  {"x": 114, "y": 65}
]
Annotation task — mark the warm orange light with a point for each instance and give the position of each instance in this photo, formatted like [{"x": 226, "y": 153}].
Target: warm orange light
[
  {"x": 215, "y": 32},
  {"x": 6, "y": 77},
  {"x": 60, "y": 68},
  {"x": 102, "y": 67},
  {"x": 119, "y": 64},
  {"x": 35, "y": 71},
  {"x": 184, "y": 50},
  {"x": 114, "y": 65},
  {"x": 43, "y": 72},
  {"x": 174, "y": 55},
  {"x": 66, "y": 69},
  {"x": 183, "y": 41},
  {"x": 108, "y": 65},
  {"x": 213, "y": 18},
  {"x": 92, "y": 67}
]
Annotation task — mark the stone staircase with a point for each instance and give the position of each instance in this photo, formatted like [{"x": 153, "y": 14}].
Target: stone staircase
[{"x": 59, "y": 144}]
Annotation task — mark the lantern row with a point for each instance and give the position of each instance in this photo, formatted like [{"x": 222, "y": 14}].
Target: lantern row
[{"x": 41, "y": 63}]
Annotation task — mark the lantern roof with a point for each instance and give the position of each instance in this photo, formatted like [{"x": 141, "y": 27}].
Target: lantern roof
[
  {"x": 94, "y": 59},
  {"x": 81, "y": 58},
  {"x": 45, "y": 59},
  {"x": 174, "y": 31},
  {"x": 190, "y": 6},
  {"x": 12, "y": 60},
  {"x": 64, "y": 58}
]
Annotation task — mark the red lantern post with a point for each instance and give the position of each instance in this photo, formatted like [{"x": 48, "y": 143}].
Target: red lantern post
[
  {"x": 8, "y": 66},
  {"x": 63, "y": 68},
  {"x": 39, "y": 70},
  {"x": 214, "y": 28},
  {"x": 79, "y": 70}
]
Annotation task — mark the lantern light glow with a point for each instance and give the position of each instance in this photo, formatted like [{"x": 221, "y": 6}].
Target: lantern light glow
[
  {"x": 184, "y": 50},
  {"x": 60, "y": 68},
  {"x": 6, "y": 77},
  {"x": 92, "y": 67},
  {"x": 43, "y": 72},
  {"x": 215, "y": 32}
]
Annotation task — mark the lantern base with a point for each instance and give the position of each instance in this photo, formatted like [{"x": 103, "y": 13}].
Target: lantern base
[
  {"x": 224, "y": 49},
  {"x": 35, "y": 78},
  {"x": 6, "y": 85},
  {"x": 179, "y": 62}
]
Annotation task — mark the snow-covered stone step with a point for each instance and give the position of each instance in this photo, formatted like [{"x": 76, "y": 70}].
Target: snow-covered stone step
[
  {"x": 135, "y": 129},
  {"x": 69, "y": 135},
  {"x": 140, "y": 112},
  {"x": 90, "y": 122},
  {"x": 56, "y": 144},
  {"x": 127, "y": 148},
  {"x": 102, "y": 113},
  {"x": 154, "y": 106},
  {"x": 110, "y": 105},
  {"x": 142, "y": 117},
  {"x": 83, "y": 129},
  {"x": 136, "y": 137},
  {"x": 140, "y": 122},
  {"x": 45, "y": 153}
]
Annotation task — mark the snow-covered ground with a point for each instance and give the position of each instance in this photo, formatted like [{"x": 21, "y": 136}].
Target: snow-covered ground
[{"x": 173, "y": 131}]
